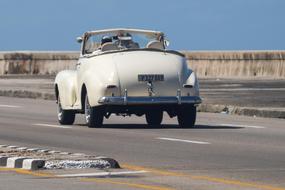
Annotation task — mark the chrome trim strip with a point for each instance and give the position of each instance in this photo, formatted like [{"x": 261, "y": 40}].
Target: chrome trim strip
[
  {"x": 179, "y": 96},
  {"x": 152, "y": 100},
  {"x": 126, "y": 97}
]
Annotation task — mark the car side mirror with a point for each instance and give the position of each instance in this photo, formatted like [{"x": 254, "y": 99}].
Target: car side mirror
[
  {"x": 166, "y": 43},
  {"x": 79, "y": 39}
]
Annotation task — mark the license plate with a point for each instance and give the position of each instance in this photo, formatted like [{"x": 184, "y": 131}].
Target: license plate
[{"x": 154, "y": 77}]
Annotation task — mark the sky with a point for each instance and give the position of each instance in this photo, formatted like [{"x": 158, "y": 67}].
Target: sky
[{"x": 188, "y": 24}]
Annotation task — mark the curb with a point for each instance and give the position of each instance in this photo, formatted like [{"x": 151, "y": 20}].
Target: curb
[
  {"x": 33, "y": 164},
  {"x": 15, "y": 162},
  {"x": 22, "y": 162},
  {"x": 246, "y": 111},
  {"x": 113, "y": 163},
  {"x": 28, "y": 163},
  {"x": 3, "y": 160}
]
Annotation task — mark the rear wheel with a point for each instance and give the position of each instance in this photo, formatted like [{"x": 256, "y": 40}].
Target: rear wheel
[
  {"x": 187, "y": 116},
  {"x": 154, "y": 117},
  {"x": 93, "y": 115},
  {"x": 65, "y": 117}
]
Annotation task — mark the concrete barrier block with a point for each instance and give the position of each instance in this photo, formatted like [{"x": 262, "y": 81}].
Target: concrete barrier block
[
  {"x": 33, "y": 164},
  {"x": 15, "y": 162},
  {"x": 3, "y": 160}
]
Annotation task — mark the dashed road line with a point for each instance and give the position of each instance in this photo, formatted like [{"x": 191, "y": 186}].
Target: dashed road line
[
  {"x": 9, "y": 106},
  {"x": 50, "y": 125},
  {"x": 245, "y": 126},
  {"x": 183, "y": 140},
  {"x": 102, "y": 174}
]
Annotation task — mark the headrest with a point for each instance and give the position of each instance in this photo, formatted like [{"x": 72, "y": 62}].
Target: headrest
[
  {"x": 109, "y": 46},
  {"x": 155, "y": 44}
]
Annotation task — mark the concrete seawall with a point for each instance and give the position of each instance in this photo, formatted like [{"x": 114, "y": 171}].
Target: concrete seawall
[
  {"x": 249, "y": 64},
  {"x": 37, "y": 63},
  {"x": 222, "y": 64}
]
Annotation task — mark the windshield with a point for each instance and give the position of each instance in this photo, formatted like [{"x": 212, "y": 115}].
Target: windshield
[{"x": 118, "y": 40}]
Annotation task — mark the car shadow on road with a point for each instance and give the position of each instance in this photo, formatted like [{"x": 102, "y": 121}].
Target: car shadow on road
[{"x": 165, "y": 126}]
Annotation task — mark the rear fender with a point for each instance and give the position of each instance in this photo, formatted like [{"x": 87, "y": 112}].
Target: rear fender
[
  {"x": 65, "y": 84},
  {"x": 95, "y": 89}
]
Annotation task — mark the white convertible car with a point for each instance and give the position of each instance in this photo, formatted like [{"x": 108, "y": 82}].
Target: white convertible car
[{"x": 124, "y": 72}]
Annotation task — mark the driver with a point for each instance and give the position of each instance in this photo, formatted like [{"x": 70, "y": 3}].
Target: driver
[
  {"x": 126, "y": 41},
  {"x": 106, "y": 39}
]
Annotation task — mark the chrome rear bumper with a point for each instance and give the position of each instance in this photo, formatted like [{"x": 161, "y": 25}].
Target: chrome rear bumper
[
  {"x": 149, "y": 100},
  {"x": 107, "y": 100}
]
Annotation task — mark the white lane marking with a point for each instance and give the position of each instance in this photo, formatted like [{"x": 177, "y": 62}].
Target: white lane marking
[
  {"x": 78, "y": 154},
  {"x": 55, "y": 126},
  {"x": 12, "y": 147},
  {"x": 8, "y": 106},
  {"x": 43, "y": 150},
  {"x": 183, "y": 140},
  {"x": 245, "y": 126},
  {"x": 65, "y": 153},
  {"x": 22, "y": 148},
  {"x": 53, "y": 151},
  {"x": 99, "y": 174}
]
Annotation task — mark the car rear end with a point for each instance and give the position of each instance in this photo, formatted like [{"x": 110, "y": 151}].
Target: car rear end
[{"x": 151, "y": 82}]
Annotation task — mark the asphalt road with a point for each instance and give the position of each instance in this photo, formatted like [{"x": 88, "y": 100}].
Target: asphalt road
[
  {"x": 221, "y": 152},
  {"x": 261, "y": 93}
]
